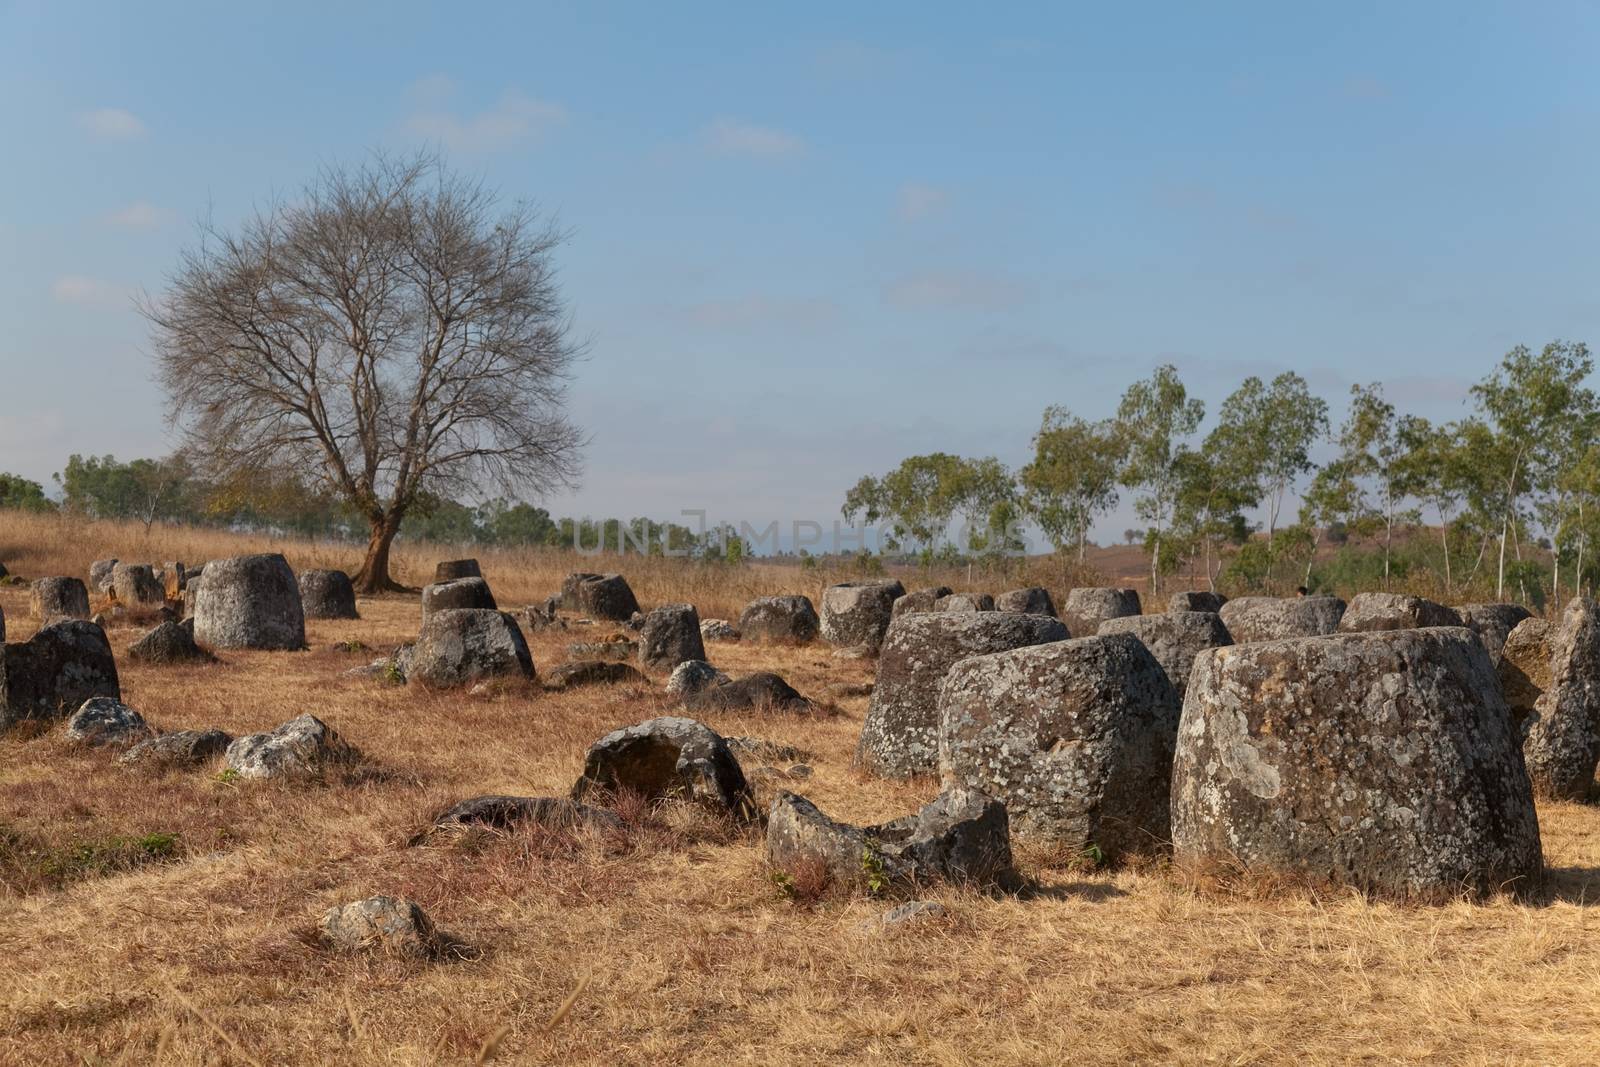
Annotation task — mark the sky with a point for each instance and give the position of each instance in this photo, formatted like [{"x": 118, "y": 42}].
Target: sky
[{"x": 809, "y": 241}]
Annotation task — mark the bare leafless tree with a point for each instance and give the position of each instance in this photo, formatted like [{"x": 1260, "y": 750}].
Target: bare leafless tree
[{"x": 392, "y": 332}]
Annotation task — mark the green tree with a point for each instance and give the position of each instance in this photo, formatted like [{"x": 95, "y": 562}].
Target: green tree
[
  {"x": 1530, "y": 403},
  {"x": 19, "y": 494},
  {"x": 1072, "y": 477},
  {"x": 1156, "y": 416},
  {"x": 918, "y": 498},
  {"x": 1278, "y": 424}
]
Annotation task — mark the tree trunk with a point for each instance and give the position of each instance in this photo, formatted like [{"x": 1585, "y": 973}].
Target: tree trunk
[{"x": 374, "y": 574}]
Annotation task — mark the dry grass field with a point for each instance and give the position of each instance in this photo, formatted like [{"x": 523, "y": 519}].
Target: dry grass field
[{"x": 669, "y": 942}]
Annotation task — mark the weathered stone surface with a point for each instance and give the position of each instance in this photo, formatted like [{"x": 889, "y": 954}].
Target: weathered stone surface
[
  {"x": 507, "y": 813},
  {"x": 1086, "y": 608},
  {"x": 249, "y": 602},
  {"x": 171, "y": 642},
  {"x": 1075, "y": 737},
  {"x": 920, "y": 600},
  {"x": 457, "y": 595},
  {"x": 137, "y": 589},
  {"x": 174, "y": 578},
  {"x": 55, "y": 599},
  {"x": 1524, "y": 667},
  {"x": 1561, "y": 739},
  {"x": 460, "y": 646},
  {"x": 1492, "y": 623},
  {"x": 964, "y": 602},
  {"x": 391, "y": 926},
  {"x": 616, "y": 648},
  {"x": 569, "y": 589},
  {"x": 788, "y": 620},
  {"x": 693, "y": 675},
  {"x": 602, "y": 596},
  {"x": 592, "y": 672},
  {"x": 544, "y": 616},
  {"x": 1034, "y": 600},
  {"x": 52, "y": 673},
  {"x": 303, "y": 747},
  {"x": 1196, "y": 600},
  {"x": 670, "y": 635},
  {"x": 1174, "y": 639},
  {"x": 1384, "y": 761},
  {"x": 1268, "y": 618},
  {"x": 762, "y": 691},
  {"x": 451, "y": 569},
  {"x": 328, "y": 595},
  {"x": 961, "y": 836},
  {"x": 858, "y": 613},
  {"x": 105, "y": 721},
  {"x": 718, "y": 630},
  {"x": 183, "y": 748},
  {"x": 900, "y": 736},
  {"x": 668, "y": 757},
  {"x": 100, "y": 575},
  {"x": 1371, "y": 612}
]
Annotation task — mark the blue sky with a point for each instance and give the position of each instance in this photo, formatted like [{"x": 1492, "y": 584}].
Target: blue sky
[{"x": 808, "y": 243}]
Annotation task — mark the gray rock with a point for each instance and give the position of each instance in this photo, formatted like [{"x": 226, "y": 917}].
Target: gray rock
[
  {"x": 389, "y": 926},
  {"x": 762, "y": 691},
  {"x": 1492, "y": 623},
  {"x": 1086, "y": 608},
  {"x": 569, "y": 589},
  {"x": 718, "y": 630},
  {"x": 100, "y": 575},
  {"x": 1372, "y": 612},
  {"x": 1384, "y": 761},
  {"x": 105, "y": 721},
  {"x": 592, "y": 672},
  {"x": 1524, "y": 668},
  {"x": 451, "y": 569},
  {"x": 858, "y": 613},
  {"x": 544, "y": 616},
  {"x": 1561, "y": 739},
  {"x": 900, "y": 736},
  {"x": 52, "y": 673},
  {"x": 788, "y": 620},
  {"x": 1196, "y": 600},
  {"x": 1034, "y": 600},
  {"x": 617, "y": 649},
  {"x": 507, "y": 813},
  {"x": 171, "y": 642},
  {"x": 920, "y": 600},
  {"x": 693, "y": 675},
  {"x": 249, "y": 602},
  {"x": 58, "y": 599},
  {"x": 304, "y": 747},
  {"x": 183, "y": 748},
  {"x": 328, "y": 595},
  {"x": 1075, "y": 737},
  {"x": 174, "y": 578},
  {"x": 460, "y": 646},
  {"x": 960, "y": 837},
  {"x": 457, "y": 595},
  {"x": 964, "y": 602},
  {"x": 1174, "y": 639},
  {"x": 600, "y": 596},
  {"x": 666, "y": 758},
  {"x": 136, "y": 588},
  {"x": 670, "y": 635},
  {"x": 1267, "y": 618}
]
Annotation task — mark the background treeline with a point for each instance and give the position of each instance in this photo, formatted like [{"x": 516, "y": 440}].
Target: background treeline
[
  {"x": 171, "y": 490},
  {"x": 1503, "y": 501}
]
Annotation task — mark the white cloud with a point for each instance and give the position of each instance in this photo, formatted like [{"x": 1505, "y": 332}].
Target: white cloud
[
  {"x": 918, "y": 201},
  {"x": 139, "y": 215},
  {"x": 112, "y": 124},
  {"x": 84, "y": 291},
  {"x": 515, "y": 118},
  {"x": 955, "y": 289},
  {"x": 731, "y": 137}
]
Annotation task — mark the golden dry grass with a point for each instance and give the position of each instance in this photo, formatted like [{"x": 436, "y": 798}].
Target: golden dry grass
[{"x": 670, "y": 944}]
